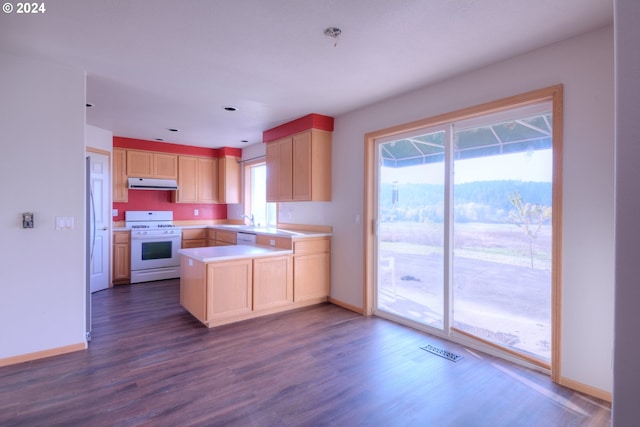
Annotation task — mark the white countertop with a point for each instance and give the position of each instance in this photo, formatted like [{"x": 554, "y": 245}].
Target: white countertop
[{"x": 225, "y": 253}]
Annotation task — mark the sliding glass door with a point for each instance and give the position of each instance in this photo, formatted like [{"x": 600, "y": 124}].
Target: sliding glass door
[
  {"x": 464, "y": 238},
  {"x": 411, "y": 227}
]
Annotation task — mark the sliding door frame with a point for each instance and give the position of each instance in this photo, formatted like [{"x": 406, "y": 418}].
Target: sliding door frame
[{"x": 554, "y": 94}]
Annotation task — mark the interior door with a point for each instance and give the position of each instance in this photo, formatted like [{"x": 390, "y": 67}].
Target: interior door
[{"x": 99, "y": 209}]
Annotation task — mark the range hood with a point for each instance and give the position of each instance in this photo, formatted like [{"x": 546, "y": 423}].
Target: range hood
[{"x": 152, "y": 184}]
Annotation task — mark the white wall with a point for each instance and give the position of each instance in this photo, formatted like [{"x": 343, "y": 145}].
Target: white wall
[
  {"x": 99, "y": 138},
  {"x": 585, "y": 66},
  {"x": 42, "y": 117},
  {"x": 627, "y": 345}
]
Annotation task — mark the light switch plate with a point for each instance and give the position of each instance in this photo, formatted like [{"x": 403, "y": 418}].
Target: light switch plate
[
  {"x": 65, "y": 223},
  {"x": 114, "y": 212}
]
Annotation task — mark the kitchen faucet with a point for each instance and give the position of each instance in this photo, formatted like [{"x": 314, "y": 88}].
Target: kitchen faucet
[{"x": 250, "y": 218}]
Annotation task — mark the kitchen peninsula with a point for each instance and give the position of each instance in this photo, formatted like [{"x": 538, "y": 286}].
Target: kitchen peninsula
[{"x": 225, "y": 284}]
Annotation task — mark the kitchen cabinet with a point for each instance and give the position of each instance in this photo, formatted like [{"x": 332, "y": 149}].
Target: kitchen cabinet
[
  {"x": 228, "y": 180},
  {"x": 225, "y": 237},
  {"x": 272, "y": 282},
  {"x": 120, "y": 184},
  {"x": 229, "y": 289},
  {"x": 274, "y": 241},
  {"x": 197, "y": 180},
  {"x": 150, "y": 164},
  {"x": 311, "y": 269},
  {"x": 121, "y": 257},
  {"x": 194, "y": 238},
  {"x": 299, "y": 167}
]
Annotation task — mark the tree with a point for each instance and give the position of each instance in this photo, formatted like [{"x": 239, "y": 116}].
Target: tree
[{"x": 528, "y": 217}]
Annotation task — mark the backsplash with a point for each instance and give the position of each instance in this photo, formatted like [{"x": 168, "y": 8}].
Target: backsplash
[{"x": 150, "y": 200}]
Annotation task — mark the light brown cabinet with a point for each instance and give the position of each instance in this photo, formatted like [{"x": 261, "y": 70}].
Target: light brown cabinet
[
  {"x": 299, "y": 167},
  {"x": 228, "y": 180},
  {"x": 150, "y": 164},
  {"x": 121, "y": 257},
  {"x": 311, "y": 269},
  {"x": 120, "y": 185},
  {"x": 197, "y": 180},
  {"x": 194, "y": 238},
  {"x": 272, "y": 282},
  {"x": 226, "y": 237}
]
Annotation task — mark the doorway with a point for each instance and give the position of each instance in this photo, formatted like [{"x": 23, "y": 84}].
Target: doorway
[
  {"x": 466, "y": 238},
  {"x": 99, "y": 206}
]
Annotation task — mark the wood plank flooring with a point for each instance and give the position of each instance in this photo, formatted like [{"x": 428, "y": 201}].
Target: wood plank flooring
[{"x": 151, "y": 363}]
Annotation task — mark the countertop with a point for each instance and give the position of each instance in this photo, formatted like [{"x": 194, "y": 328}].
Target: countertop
[
  {"x": 267, "y": 231},
  {"x": 225, "y": 253}
]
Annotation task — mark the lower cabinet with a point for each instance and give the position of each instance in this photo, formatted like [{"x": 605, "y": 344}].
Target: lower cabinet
[
  {"x": 229, "y": 289},
  {"x": 121, "y": 257},
  {"x": 311, "y": 269},
  {"x": 272, "y": 282},
  {"x": 194, "y": 238}
]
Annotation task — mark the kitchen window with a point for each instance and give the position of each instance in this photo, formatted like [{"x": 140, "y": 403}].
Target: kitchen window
[{"x": 255, "y": 194}]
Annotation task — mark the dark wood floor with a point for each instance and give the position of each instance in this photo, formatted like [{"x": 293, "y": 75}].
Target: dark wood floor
[{"x": 151, "y": 363}]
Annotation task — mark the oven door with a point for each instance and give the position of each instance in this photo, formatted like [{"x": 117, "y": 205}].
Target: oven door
[{"x": 154, "y": 252}]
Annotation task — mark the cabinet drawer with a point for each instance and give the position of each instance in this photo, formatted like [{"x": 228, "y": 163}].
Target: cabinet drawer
[
  {"x": 226, "y": 236},
  {"x": 121, "y": 237},
  {"x": 311, "y": 246},
  {"x": 194, "y": 233},
  {"x": 279, "y": 242}
]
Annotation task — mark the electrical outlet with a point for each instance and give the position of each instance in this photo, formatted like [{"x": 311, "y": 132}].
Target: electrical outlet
[
  {"x": 114, "y": 212},
  {"x": 272, "y": 242},
  {"x": 27, "y": 220},
  {"x": 196, "y": 212}
]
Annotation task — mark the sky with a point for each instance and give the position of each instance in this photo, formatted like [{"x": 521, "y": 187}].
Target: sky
[{"x": 533, "y": 166}]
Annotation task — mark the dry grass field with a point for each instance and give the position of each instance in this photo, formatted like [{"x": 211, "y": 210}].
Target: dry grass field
[{"x": 498, "y": 296}]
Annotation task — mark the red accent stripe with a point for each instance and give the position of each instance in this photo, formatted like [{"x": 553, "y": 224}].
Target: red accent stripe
[
  {"x": 167, "y": 147},
  {"x": 315, "y": 121}
]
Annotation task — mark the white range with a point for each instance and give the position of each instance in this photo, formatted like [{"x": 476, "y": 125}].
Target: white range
[{"x": 154, "y": 245}]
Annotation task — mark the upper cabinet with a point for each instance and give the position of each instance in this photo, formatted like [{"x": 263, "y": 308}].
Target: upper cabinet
[
  {"x": 299, "y": 167},
  {"x": 197, "y": 180},
  {"x": 149, "y": 164},
  {"x": 228, "y": 180},
  {"x": 120, "y": 185}
]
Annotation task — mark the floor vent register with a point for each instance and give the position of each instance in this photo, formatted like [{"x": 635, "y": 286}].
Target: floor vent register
[{"x": 441, "y": 352}]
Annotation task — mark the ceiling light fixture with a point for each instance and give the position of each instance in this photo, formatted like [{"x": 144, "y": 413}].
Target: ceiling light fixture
[
  {"x": 230, "y": 108},
  {"x": 244, "y": 141},
  {"x": 88, "y": 105},
  {"x": 334, "y": 33},
  {"x": 159, "y": 139},
  {"x": 173, "y": 130}
]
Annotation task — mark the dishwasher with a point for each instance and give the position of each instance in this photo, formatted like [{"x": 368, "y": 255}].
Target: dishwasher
[{"x": 246, "y": 238}]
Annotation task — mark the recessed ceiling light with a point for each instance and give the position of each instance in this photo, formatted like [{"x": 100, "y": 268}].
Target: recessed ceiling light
[
  {"x": 159, "y": 139},
  {"x": 244, "y": 140},
  {"x": 88, "y": 105},
  {"x": 230, "y": 108},
  {"x": 173, "y": 130}
]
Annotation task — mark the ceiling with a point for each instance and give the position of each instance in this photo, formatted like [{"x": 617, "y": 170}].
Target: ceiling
[{"x": 153, "y": 65}]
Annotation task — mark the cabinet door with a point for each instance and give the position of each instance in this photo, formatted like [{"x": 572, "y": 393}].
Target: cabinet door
[
  {"x": 187, "y": 179},
  {"x": 140, "y": 164},
  {"x": 207, "y": 180},
  {"x": 301, "y": 164},
  {"x": 229, "y": 288},
  {"x": 121, "y": 257},
  {"x": 285, "y": 177},
  {"x": 273, "y": 171},
  {"x": 272, "y": 282},
  {"x": 311, "y": 276},
  {"x": 228, "y": 180},
  {"x": 165, "y": 166},
  {"x": 120, "y": 185}
]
